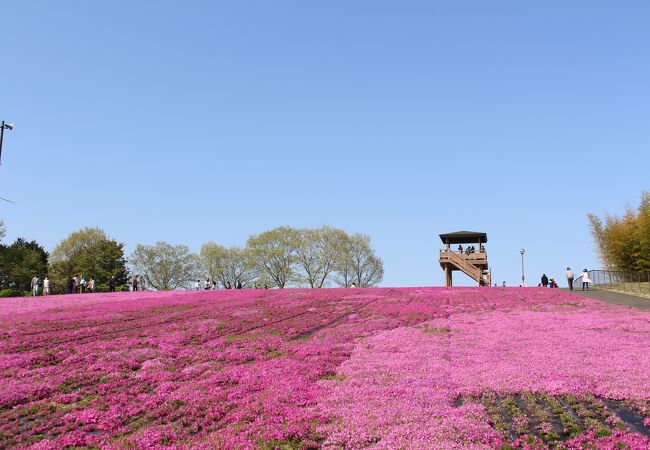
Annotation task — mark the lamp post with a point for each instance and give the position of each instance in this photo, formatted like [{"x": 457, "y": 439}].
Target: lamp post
[
  {"x": 4, "y": 126},
  {"x": 523, "y": 278}
]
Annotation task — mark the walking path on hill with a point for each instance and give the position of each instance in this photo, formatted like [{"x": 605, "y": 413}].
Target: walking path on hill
[{"x": 616, "y": 298}]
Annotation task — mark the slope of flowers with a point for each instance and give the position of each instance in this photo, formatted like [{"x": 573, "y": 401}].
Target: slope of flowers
[{"x": 332, "y": 368}]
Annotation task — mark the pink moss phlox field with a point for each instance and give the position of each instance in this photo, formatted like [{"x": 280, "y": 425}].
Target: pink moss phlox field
[{"x": 332, "y": 368}]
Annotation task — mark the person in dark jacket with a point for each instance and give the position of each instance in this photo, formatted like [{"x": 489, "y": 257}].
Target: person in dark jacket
[
  {"x": 239, "y": 285},
  {"x": 544, "y": 280},
  {"x": 111, "y": 284}
]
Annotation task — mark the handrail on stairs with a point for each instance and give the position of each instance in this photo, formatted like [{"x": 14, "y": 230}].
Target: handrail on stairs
[{"x": 463, "y": 264}]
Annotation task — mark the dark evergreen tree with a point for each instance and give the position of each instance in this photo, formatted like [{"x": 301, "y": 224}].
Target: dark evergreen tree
[{"x": 19, "y": 262}]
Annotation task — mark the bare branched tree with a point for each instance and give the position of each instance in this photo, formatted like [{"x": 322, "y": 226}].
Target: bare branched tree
[
  {"x": 358, "y": 264},
  {"x": 317, "y": 253},
  {"x": 240, "y": 267}
]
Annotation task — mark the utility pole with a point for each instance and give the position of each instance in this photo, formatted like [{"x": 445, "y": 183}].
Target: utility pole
[{"x": 4, "y": 126}]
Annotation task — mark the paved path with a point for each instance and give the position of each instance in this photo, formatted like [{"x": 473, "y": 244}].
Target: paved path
[{"x": 615, "y": 298}]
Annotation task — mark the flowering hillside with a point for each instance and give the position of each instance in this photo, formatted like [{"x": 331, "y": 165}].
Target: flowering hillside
[{"x": 333, "y": 368}]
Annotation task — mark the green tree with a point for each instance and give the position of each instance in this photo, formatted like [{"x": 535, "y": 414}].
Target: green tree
[
  {"x": 240, "y": 267},
  {"x": 274, "y": 252},
  {"x": 19, "y": 262},
  {"x": 600, "y": 238},
  {"x": 317, "y": 253},
  {"x": 212, "y": 259},
  {"x": 234, "y": 264},
  {"x": 623, "y": 243},
  {"x": 642, "y": 234},
  {"x": 358, "y": 263},
  {"x": 164, "y": 266},
  {"x": 91, "y": 253}
]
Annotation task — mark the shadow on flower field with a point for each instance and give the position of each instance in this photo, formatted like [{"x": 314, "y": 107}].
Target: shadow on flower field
[{"x": 331, "y": 368}]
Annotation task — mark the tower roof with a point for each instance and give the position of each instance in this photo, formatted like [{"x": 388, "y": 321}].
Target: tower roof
[{"x": 464, "y": 237}]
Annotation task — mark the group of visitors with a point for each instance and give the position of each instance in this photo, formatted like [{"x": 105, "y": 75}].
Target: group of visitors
[
  {"x": 79, "y": 285},
  {"x": 547, "y": 282},
  {"x": 212, "y": 285},
  {"x": 585, "y": 279},
  {"x": 551, "y": 283},
  {"x": 36, "y": 286},
  {"x": 136, "y": 284},
  {"x": 74, "y": 285},
  {"x": 470, "y": 249}
]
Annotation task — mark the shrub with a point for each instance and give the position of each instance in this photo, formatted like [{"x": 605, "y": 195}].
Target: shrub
[{"x": 5, "y": 293}]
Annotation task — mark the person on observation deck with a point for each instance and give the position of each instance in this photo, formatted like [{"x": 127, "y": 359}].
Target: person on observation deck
[
  {"x": 460, "y": 249},
  {"x": 569, "y": 278}
]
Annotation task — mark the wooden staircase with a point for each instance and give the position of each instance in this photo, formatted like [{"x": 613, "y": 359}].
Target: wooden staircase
[{"x": 473, "y": 265}]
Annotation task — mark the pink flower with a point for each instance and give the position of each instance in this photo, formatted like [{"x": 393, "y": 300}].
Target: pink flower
[{"x": 380, "y": 368}]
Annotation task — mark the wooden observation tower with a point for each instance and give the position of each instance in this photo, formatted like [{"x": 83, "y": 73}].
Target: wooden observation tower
[{"x": 472, "y": 263}]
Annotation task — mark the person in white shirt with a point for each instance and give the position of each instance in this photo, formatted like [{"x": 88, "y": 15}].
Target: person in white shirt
[
  {"x": 46, "y": 286},
  {"x": 197, "y": 285},
  {"x": 569, "y": 278},
  {"x": 585, "y": 280}
]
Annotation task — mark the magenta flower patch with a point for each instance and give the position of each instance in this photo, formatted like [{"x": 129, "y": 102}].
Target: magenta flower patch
[{"x": 331, "y": 368}]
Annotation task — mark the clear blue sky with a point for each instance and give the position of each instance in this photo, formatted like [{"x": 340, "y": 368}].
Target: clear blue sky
[{"x": 197, "y": 121}]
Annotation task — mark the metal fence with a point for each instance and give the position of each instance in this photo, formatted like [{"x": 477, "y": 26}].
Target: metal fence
[{"x": 618, "y": 280}]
